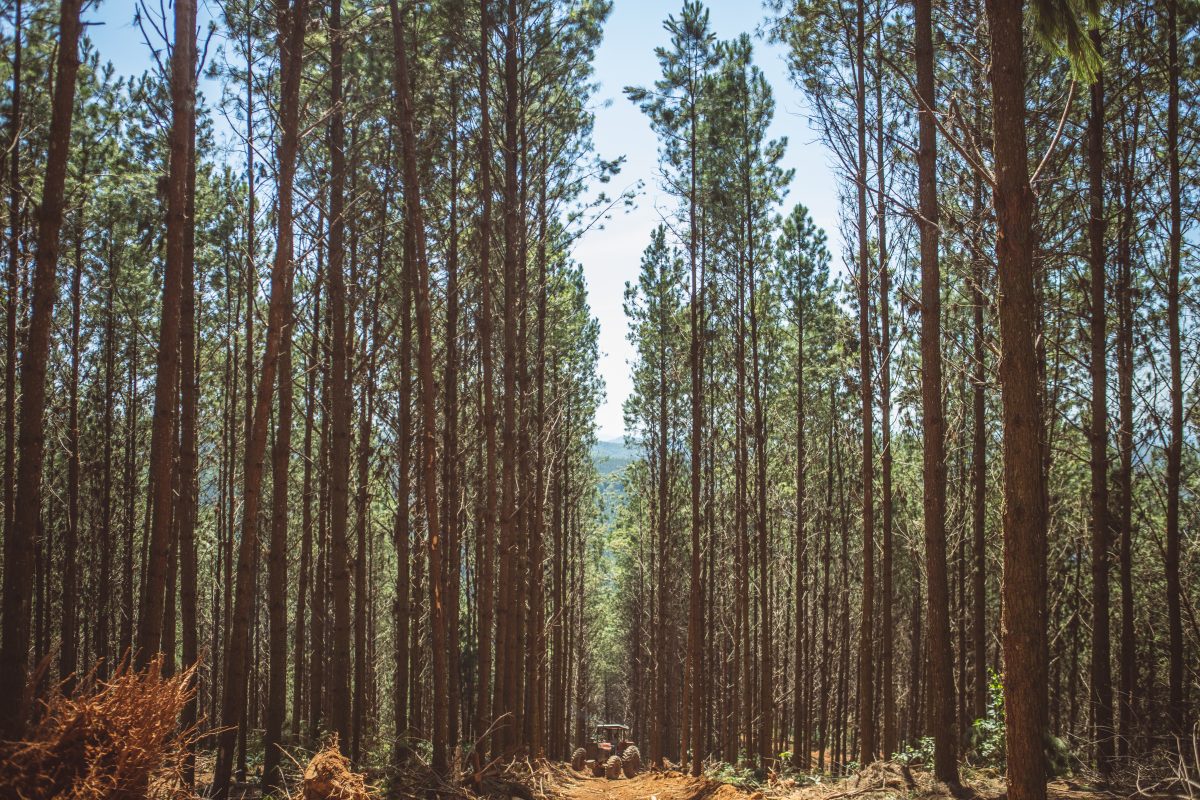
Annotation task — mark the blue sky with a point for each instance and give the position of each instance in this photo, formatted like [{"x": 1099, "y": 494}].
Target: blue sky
[{"x": 610, "y": 256}]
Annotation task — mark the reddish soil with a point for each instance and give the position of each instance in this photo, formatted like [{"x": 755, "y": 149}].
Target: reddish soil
[{"x": 648, "y": 786}]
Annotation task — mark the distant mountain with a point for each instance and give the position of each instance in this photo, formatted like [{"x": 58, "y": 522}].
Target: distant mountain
[{"x": 611, "y": 457}]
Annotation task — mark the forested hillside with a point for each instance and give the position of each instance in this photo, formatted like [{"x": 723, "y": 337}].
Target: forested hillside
[{"x": 301, "y": 384}]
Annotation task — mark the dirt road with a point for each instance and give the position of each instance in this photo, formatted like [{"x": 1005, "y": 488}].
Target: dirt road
[{"x": 649, "y": 786}]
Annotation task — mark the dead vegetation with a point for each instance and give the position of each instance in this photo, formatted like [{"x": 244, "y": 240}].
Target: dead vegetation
[
  {"x": 328, "y": 776},
  {"x": 111, "y": 740}
]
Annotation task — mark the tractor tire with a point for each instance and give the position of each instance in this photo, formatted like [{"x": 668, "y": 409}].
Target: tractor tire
[
  {"x": 578, "y": 759},
  {"x": 631, "y": 761},
  {"x": 597, "y": 768},
  {"x": 612, "y": 770}
]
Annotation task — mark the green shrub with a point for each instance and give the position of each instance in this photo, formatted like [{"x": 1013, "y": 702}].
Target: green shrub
[
  {"x": 985, "y": 741},
  {"x": 748, "y": 778},
  {"x": 919, "y": 753}
]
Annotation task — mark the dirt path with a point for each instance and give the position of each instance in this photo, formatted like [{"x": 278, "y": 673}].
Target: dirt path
[{"x": 648, "y": 786}]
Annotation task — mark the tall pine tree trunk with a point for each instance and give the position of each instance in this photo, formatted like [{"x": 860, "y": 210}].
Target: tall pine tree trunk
[
  {"x": 506, "y": 618},
  {"x": 487, "y": 558},
  {"x": 941, "y": 658},
  {"x": 189, "y": 450},
  {"x": 1125, "y": 366},
  {"x": 1102, "y": 711},
  {"x": 696, "y": 359},
  {"x": 21, "y": 543},
  {"x": 163, "y": 433},
  {"x": 277, "y": 558},
  {"x": 800, "y": 754},
  {"x": 866, "y": 711},
  {"x": 428, "y": 390},
  {"x": 291, "y": 20},
  {"x": 13, "y": 275},
  {"x": 1025, "y": 507},
  {"x": 1175, "y": 709},
  {"x": 340, "y": 403}
]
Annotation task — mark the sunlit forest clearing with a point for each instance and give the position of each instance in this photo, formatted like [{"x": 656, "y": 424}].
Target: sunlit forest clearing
[{"x": 306, "y": 491}]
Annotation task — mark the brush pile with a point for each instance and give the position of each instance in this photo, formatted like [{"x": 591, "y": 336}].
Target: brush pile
[
  {"x": 328, "y": 777},
  {"x": 111, "y": 740}
]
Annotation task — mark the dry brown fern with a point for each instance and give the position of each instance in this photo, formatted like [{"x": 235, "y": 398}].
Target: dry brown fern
[{"x": 110, "y": 740}]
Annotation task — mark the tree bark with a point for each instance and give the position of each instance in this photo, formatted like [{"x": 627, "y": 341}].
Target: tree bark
[
  {"x": 401, "y": 532},
  {"x": 163, "y": 432},
  {"x": 486, "y": 567},
  {"x": 14, "y": 277},
  {"x": 941, "y": 658},
  {"x": 21, "y": 543},
  {"x": 311, "y": 371},
  {"x": 277, "y": 558},
  {"x": 189, "y": 456},
  {"x": 1102, "y": 711},
  {"x": 866, "y": 712},
  {"x": 340, "y": 403},
  {"x": 886, "y": 646},
  {"x": 696, "y": 359},
  {"x": 800, "y": 755},
  {"x": 1125, "y": 368},
  {"x": 506, "y": 622},
  {"x": 1025, "y": 505},
  {"x": 1176, "y": 711}
]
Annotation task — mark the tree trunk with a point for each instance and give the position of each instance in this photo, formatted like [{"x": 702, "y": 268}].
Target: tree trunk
[
  {"x": 866, "y": 714},
  {"x": 979, "y": 463},
  {"x": 1125, "y": 367},
  {"x": 21, "y": 543},
  {"x": 886, "y": 676},
  {"x": 451, "y": 500},
  {"x": 14, "y": 278},
  {"x": 800, "y": 754},
  {"x": 311, "y": 371},
  {"x": 401, "y": 532},
  {"x": 163, "y": 432},
  {"x": 189, "y": 455},
  {"x": 486, "y": 567},
  {"x": 941, "y": 658},
  {"x": 696, "y": 359},
  {"x": 291, "y": 19},
  {"x": 69, "y": 630},
  {"x": 1024, "y": 584},
  {"x": 1102, "y": 710},
  {"x": 107, "y": 543},
  {"x": 1176, "y": 710},
  {"x": 340, "y": 403},
  {"x": 277, "y": 558},
  {"x": 428, "y": 391},
  {"x": 766, "y": 699}
]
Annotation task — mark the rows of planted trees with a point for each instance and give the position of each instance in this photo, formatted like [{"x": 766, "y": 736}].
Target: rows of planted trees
[
  {"x": 300, "y": 375},
  {"x": 943, "y": 490}
]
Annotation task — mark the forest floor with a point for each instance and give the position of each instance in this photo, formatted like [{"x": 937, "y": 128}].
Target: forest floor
[
  {"x": 882, "y": 781},
  {"x": 646, "y": 786}
]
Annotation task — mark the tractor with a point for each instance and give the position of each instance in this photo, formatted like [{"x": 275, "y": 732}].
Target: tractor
[{"x": 609, "y": 754}]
